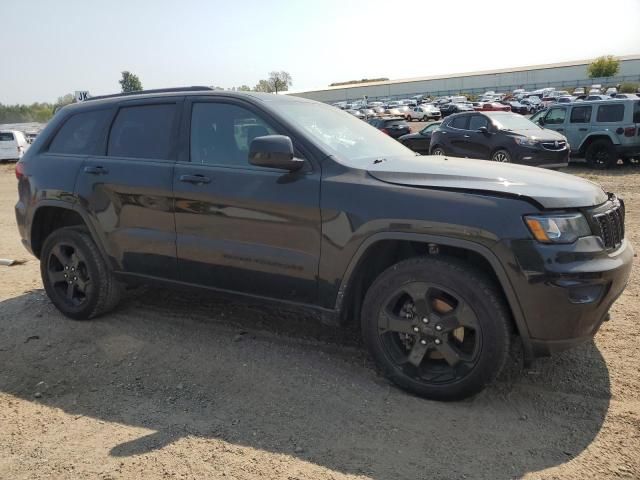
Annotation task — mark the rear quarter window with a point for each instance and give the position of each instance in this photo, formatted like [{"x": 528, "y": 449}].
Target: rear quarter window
[
  {"x": 80, "y": 133},
  {"x": 610, "y": 113},
  {"x": 6, "y": 137}
]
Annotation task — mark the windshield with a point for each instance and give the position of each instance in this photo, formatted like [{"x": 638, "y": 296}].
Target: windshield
[
  {"x": 350, "y": 139},
  {"x": 513, "y": 122}
]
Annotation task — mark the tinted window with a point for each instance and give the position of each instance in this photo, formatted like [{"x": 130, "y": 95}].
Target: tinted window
[
  {"x": 610, "y": 113},
  {"x": 555, "y": 116},
  {"x": 80, "y": 133},
  {"x": 221, "y": 134},
  {"x": 459, "y": 122},
  {"x": 6, "y": 136},
  {"x": 478, "y": 121},
  {"x": 144, "y": 131},
  {"x": 636, "y": 112},
  {"x": 580, "y": 115},
  {"x": 395, "y": 123}
]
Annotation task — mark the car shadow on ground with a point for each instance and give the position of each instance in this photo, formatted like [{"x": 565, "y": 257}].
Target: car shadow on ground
[{"x": 191, "y": 365}]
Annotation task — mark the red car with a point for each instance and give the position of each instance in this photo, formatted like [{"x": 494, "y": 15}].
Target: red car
[{"x": 492, "y": 107}]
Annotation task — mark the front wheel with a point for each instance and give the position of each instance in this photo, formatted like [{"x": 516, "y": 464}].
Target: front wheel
[
  {"x": 75, "y": 275},
  {"x": 438, "y": 151},
  {"x": 501, "y": 156},
  {"x": 436, "y": 327}
]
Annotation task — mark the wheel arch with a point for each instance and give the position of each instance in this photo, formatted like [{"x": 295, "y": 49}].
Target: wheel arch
[
  {"x": 592, "y": 137},
  {"x": 53, "y": 214},
  {"x": 382, "y": 250}
]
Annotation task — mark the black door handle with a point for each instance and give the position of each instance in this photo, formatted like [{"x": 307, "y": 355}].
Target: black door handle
[
  {"x": 195, "y": 179},
  {"x": 583, "y": 129},
  {"x": 97, "y": 170},
  {"x": 561, "y": 130}
]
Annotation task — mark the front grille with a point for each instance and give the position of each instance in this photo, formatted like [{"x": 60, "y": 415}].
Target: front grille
[
  {"x": 559, "y": 145},
  {"x": 611, "y": 225}
]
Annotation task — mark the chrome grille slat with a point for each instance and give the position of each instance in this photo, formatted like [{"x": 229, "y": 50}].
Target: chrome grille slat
[{"x": 559, "y": 145}]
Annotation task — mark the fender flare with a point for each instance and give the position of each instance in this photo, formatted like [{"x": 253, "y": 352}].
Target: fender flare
[
  {"x": 485, "y": 252},
  {"x": 97, "y": 238},
  {"x": 599, "y": 133}
]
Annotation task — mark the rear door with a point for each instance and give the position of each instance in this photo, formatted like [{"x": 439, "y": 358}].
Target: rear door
[
  {"x": 240, "y": 227},
  {"x": 126, "y": 186},
  {"x": 457, "y": 136}
]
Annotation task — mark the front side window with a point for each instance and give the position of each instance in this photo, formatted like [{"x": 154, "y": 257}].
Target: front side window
[
  {"x": 580, "y": 114},
  {"x": 555, "y": 116},
  {"x": 143, "y": 131},
  {"x": 80, "y": 133},
  {"x": 221, "y": 134},
  {"x": 610, "y": 113}
]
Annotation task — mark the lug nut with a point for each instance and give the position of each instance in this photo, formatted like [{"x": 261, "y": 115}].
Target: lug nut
[
  {"x": 65, "y": 275},
  {"x": 423, "y": 342},
  {"x": 75, "y": 278},
  {"x": 437, "y": 341},
  {"x": 66, "y": 267},
  {"x": 416, "y": 329},
  {"x": 438, "y": 327},
  {"x": 73, "y": 269},
  {"x": 70, "y": 282},
  {"x": 425, "y": 320}
]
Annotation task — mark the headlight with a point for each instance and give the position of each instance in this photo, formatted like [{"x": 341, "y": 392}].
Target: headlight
[
  {"x": 527, "y": 142},
  {"x": 558, "y": 228}
]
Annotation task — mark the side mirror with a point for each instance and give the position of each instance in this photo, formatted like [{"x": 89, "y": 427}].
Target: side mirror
[
  {"x": 274, "y": 151},
  {"x": 483, "y": 130}
]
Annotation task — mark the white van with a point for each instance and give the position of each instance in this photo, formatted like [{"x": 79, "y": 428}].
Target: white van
[{"x": 12, "y": 145}]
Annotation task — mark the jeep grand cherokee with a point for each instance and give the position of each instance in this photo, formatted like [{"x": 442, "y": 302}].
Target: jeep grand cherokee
[{"x": 441, "y": 261}]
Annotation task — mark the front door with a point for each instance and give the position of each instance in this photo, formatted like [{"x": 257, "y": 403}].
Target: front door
[
  {"x": 240, "y": 227},
  {"x": 555, "y": 119},
  {"x": 478, "y": 144},
  {"x": 579, "y": 125},
  {"x": 126, "y": 187}
]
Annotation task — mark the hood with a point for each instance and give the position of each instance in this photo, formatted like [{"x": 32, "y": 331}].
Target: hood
[
  {"x": 546, "y": 187},
  {"x": 537, "y": 134}
]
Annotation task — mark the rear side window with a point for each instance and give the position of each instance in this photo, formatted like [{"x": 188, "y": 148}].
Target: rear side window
[
  {"x": 143, "y": 131},
  {"x": 395, "y": 123},
  {"x": 6, "y": 137},
  {"x": 636, "y": 112},
  {"x": 459, "y": 122},
  {"x": 478, "y": 121},
  {"x": 610, "y": 113},
  {"x": 581, "y": 114},
  {"x": 80, "y": 133}
]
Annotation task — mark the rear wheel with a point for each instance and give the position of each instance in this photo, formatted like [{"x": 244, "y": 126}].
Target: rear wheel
[
  {"x": 436, "y": 328},
  {"x": 601, "y": 154},
  {"x": 501, "y": 156},
  {"x": 438, "y": 151},
  {"x": 75, "y": 275},
  {"x": 425, "y": 119}
]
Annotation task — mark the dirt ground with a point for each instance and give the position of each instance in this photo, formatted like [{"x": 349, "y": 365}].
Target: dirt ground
[{"x": 179, "y": 386}]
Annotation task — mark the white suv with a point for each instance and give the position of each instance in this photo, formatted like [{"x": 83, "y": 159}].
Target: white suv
[
  {"x": 12, "y": 145},
  {"x": 423, "y": 113}
]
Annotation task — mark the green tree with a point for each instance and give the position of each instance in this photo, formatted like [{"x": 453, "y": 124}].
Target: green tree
[
  {"x": 606, "y": 66},
  {"x": 263, "y": 86},
  {"x": 629, "y": 87},
  {"x": 280, "y": 81},
  {"x": 244, "y": 88},
  {"x": 130, "y": 82}
]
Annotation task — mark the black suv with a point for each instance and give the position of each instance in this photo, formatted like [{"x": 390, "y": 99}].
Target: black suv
[
  {"x": 502, "y": 137},
  {"x": 395, "y": 127},
  {"x": 439, "y": 262}
]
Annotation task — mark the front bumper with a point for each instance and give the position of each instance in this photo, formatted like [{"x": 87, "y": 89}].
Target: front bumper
[
  {"x": 565, "y": 291},
  {"x": 541, "y": 157}
]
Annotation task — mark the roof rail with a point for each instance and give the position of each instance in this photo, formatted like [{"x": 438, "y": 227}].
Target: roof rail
[{"x": 157, "y": 90}]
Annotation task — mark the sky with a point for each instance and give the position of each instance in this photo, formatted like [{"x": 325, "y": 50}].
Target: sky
[{"x": 51, "y": 48}]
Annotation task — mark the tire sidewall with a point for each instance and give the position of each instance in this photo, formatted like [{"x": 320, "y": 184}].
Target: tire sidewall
[
  {"x": 78, "y": 241},
  {"x": 488, "y": 309},
  {"x": 591, "y": 151},
  {"x": 506, "y": 152}
]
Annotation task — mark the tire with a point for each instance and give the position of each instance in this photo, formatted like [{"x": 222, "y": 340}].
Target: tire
[
  {"x": 601, "y": 154},
  {"x": 452, "y": 280},
  {"x": 425, "y": 119},
  {"x": 502, "y": 156},
  {"x": 76, "y": 276},
  {"x": 437, "y": 150}
]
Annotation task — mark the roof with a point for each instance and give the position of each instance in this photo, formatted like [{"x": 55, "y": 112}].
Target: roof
[{"x": 573, "y": 63}]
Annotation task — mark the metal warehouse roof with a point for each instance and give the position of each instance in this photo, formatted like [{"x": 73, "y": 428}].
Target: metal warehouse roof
[{"x": 573, "y": 63}]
